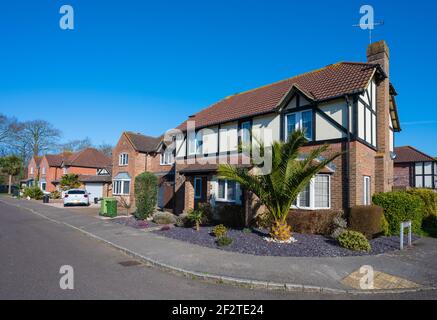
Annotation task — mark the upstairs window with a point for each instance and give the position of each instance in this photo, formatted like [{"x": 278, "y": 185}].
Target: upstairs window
[
  {"x": 195, "y": 142},
  {"x": 43, "y": 170},
  {"x": 299, "y": 121},
  {"x": 123, "y": 159},
  {"x": 245, "y": 134},
  {"x": 31, "y": 170},
  {"x": 167, "y": 158}
]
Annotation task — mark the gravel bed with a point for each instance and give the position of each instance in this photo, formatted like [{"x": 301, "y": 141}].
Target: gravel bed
[
  {"x": 134, "y": 223},
  {"x": 253, "y": 243}
]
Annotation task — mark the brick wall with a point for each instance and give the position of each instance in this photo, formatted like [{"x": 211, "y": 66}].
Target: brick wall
[{"x": 402, "y": 174}]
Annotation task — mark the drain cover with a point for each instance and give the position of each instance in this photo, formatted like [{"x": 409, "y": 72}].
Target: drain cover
[{"x": 129, "y": 263}]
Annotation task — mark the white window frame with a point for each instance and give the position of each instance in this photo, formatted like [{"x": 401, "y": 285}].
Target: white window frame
[
  {"x": 225, "y": 199},
  {"x": 195, "y": 143},
  {"x": 64, "y": 170},
  {"x": 367, "y": 190},
  {"x": 312, "y": 196},
  {"x": 166, "y": 158},
  {"x": 299, "y": 123},
  {"x": 246, "y": 125},
  {"x": 123, "y": 159},
  {"x": 196, "y": 189},
  {"x": 31, "y": 170},
  {"x": 122, "y": 191},
  {"x": 43, "y": 170}
]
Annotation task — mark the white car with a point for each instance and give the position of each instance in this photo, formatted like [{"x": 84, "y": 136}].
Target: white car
[{"x": 76, "y": 197}]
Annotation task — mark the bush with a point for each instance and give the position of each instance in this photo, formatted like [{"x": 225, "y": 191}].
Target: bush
[
  {"x": 232, "y": 216},
  {"x": 69, "y": 181},
  {"x": 220, "y": 231},
  {"x": 400, "y": 207},
  {"x": 368, "y": 220},
  {"x": 207, "y": 213},
  {"x": 146, "y": 194},
  {"x": 313, "y": 222},
  {"x": 55, "y": 195},
  {"x": 355, "y": 241},
  {"x": 429, "y": 198},
  {"x": 339, "y": 226},
  {"x": 164, "y": 218},
  {"x": 224, "y": 241},
  {"x": 33, "y": 193},
  {"x": 183, "y": 221}
]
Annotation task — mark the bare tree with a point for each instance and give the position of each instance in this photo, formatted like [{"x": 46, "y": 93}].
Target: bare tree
[
  {"x": 106, "y": 149},
  {"x": 75, "y": 145},
  {"x": 7, "y": 127},
  {"x": 40, "y": 136}
]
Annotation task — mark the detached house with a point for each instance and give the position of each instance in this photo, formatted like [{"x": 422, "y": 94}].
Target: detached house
[
  {"x": 92, "y": 166},
  {"x": 415, "y": 169},
  {"x": 134, "y": 154},
  {"x": 32, "y": 175},
  {"x": 348, "y": 105}
]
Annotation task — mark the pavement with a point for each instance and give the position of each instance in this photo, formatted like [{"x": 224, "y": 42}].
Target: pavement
[{"x": 293, "y": 274}]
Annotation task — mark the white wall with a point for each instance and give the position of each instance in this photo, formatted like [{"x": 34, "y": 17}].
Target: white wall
[
  {"x": 266, "y": 128},
  {"x": 229, "y": 137}
]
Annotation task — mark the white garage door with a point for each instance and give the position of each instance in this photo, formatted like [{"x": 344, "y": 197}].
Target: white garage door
[{"x": 95, "y": 190}]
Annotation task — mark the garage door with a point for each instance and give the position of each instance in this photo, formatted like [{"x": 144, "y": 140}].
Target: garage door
[{"x": 95, "y": 190}]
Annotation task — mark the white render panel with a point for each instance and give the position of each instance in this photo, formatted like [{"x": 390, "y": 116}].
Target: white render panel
[
  {"x": 229, "y": 137},
  {"x": 210, "y": 140},
  {"x": 368, "y": 126},
  {"x": 361, "y": 121},
  {"x": 181, "y": 145},
  {"x": 373, "y": 94},
  {"x": 325, "y": 130},
  {"x": 374, "y": 130},
  {"x": 266, "y": 128},
  {"x": 337, "y": 110}
]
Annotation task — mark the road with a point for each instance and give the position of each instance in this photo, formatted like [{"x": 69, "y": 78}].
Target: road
[{"x": 32, "y": 251}]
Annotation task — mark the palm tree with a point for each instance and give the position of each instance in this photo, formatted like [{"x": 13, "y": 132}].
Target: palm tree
[
  {"x": 290, "y": 173},
  {"x": 11, "y": 166}
]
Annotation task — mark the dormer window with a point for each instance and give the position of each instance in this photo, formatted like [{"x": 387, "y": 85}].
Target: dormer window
[
  {"x": 167, "y": 158},
  {"x": 123, "y": 159},
  {"x": 299, "y": 121}
]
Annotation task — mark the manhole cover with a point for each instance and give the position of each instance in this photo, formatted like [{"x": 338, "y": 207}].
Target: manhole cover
[{"x": 129, "y": 263}]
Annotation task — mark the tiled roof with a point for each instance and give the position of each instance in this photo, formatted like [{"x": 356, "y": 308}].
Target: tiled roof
[
  {"x": 329, "y": 82},
  {"x": 88, "y": 158},
  {"x": 411, "y": 154},
  {"x": 94, "y": 178},
  {"x": 143, "y": 143}
]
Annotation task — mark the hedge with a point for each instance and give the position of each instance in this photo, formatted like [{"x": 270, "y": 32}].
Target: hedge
[
  {"x": 398, "y": 207},
  {"x": 146, "y": 194},
  {"x": 369, "y": 220}
]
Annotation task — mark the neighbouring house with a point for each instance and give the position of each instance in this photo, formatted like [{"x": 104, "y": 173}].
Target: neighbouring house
[
  {"x": 134, "y": 154},
  {"x": 32, "y": 173},
  {"x": 414, "y": 168},
  {"x": 349, "y": 105},
  {"x": 92, "y": 166}
]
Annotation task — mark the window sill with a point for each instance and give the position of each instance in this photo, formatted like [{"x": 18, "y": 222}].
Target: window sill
[
  {"x": 225, "y": 201},
  {"x": 308, "y": 209}
]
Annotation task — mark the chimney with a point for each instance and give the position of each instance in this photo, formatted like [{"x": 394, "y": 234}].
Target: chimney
[{"x": 379, "y": 53}]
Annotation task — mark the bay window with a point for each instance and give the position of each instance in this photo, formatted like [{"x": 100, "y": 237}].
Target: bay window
[
  {"x": 317, "y": 195},
  {"x": 121, "y": 184},
  {"x": 299, "y": 121}
]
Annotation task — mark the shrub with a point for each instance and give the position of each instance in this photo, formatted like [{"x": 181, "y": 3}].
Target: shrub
[
  {"x": 33, "y": 192},
  {"x": 368, "y": 220},
  {"x": 313, "y": 222},
  {"x": 224, "y": 241},
  {"x": 400, "y": 207},
  {"x": 232, "y": 216},
  {"x": 69, "y": 181},
  {"x": 183, "y": 221},
  {"x": 196, "y": 217},
  {"x": 429, "y": 198},
  {"x": 55, "y": 195},
  {"x": 355, "y": 241},
  {"x": 164, "y": 218},
  {"x": 146, "y": 193},
  {"x": 220, "y": 231},
  {"x": 264, "y": 220},
  {"x": 207, "y": 213}
]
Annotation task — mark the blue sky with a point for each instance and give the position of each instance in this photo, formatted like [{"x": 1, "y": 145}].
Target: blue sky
[{"x": 145, "y": 66}]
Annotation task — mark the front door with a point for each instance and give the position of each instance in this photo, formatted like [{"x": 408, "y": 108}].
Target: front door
[{"x": 200, "y": 191}]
